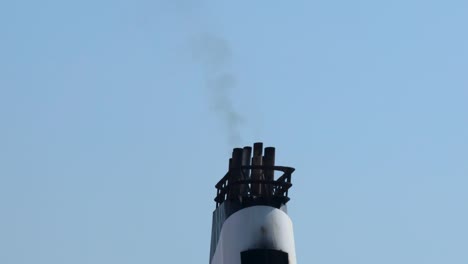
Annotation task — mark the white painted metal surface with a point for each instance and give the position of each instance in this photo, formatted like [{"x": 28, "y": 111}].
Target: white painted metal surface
[{"x": 256, "y": 227}]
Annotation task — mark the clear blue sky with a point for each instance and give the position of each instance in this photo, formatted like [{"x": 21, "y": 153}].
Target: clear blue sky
[{"x": 112, "y": 134}]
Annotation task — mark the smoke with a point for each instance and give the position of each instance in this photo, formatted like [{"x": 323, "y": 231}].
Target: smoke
[{"x": 213, "y": 53}]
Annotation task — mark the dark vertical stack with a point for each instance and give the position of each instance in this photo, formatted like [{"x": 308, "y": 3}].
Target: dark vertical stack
[
  {"x": 246, "y": 156},
  {"x": 235, "y": 172},
  {"x": 257, "y": 174},
  {"x": 241, "y": 159},
  {"x": 269, "y": 161}
]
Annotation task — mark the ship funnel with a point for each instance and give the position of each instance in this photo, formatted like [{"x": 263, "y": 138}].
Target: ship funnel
[{"x": 250, "y": 222}]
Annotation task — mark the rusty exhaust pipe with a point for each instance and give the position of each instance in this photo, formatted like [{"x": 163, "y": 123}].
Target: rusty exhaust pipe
[
  {"x": 235, "y": 172},
  {"x": 269, "y": 160},
  {"x": 246, "y": 158},
  {"x": 257, "y": 174}
]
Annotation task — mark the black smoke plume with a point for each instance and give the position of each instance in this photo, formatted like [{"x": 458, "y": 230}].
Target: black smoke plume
[{"x": 213, "y": 53}]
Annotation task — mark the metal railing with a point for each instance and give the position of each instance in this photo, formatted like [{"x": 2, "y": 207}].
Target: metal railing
[{"x": 248, "y": 188}]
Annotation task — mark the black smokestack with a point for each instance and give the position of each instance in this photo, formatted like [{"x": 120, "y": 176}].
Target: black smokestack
[
  {"x": 269, "y": 161},
  {"x": 257, "y": 174},
  {"x": 246, "y": 158},
  {"x": 235, "y": 173}
]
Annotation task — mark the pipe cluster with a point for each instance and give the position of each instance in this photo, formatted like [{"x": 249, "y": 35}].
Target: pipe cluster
[{"x": 262, "y": 162}]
